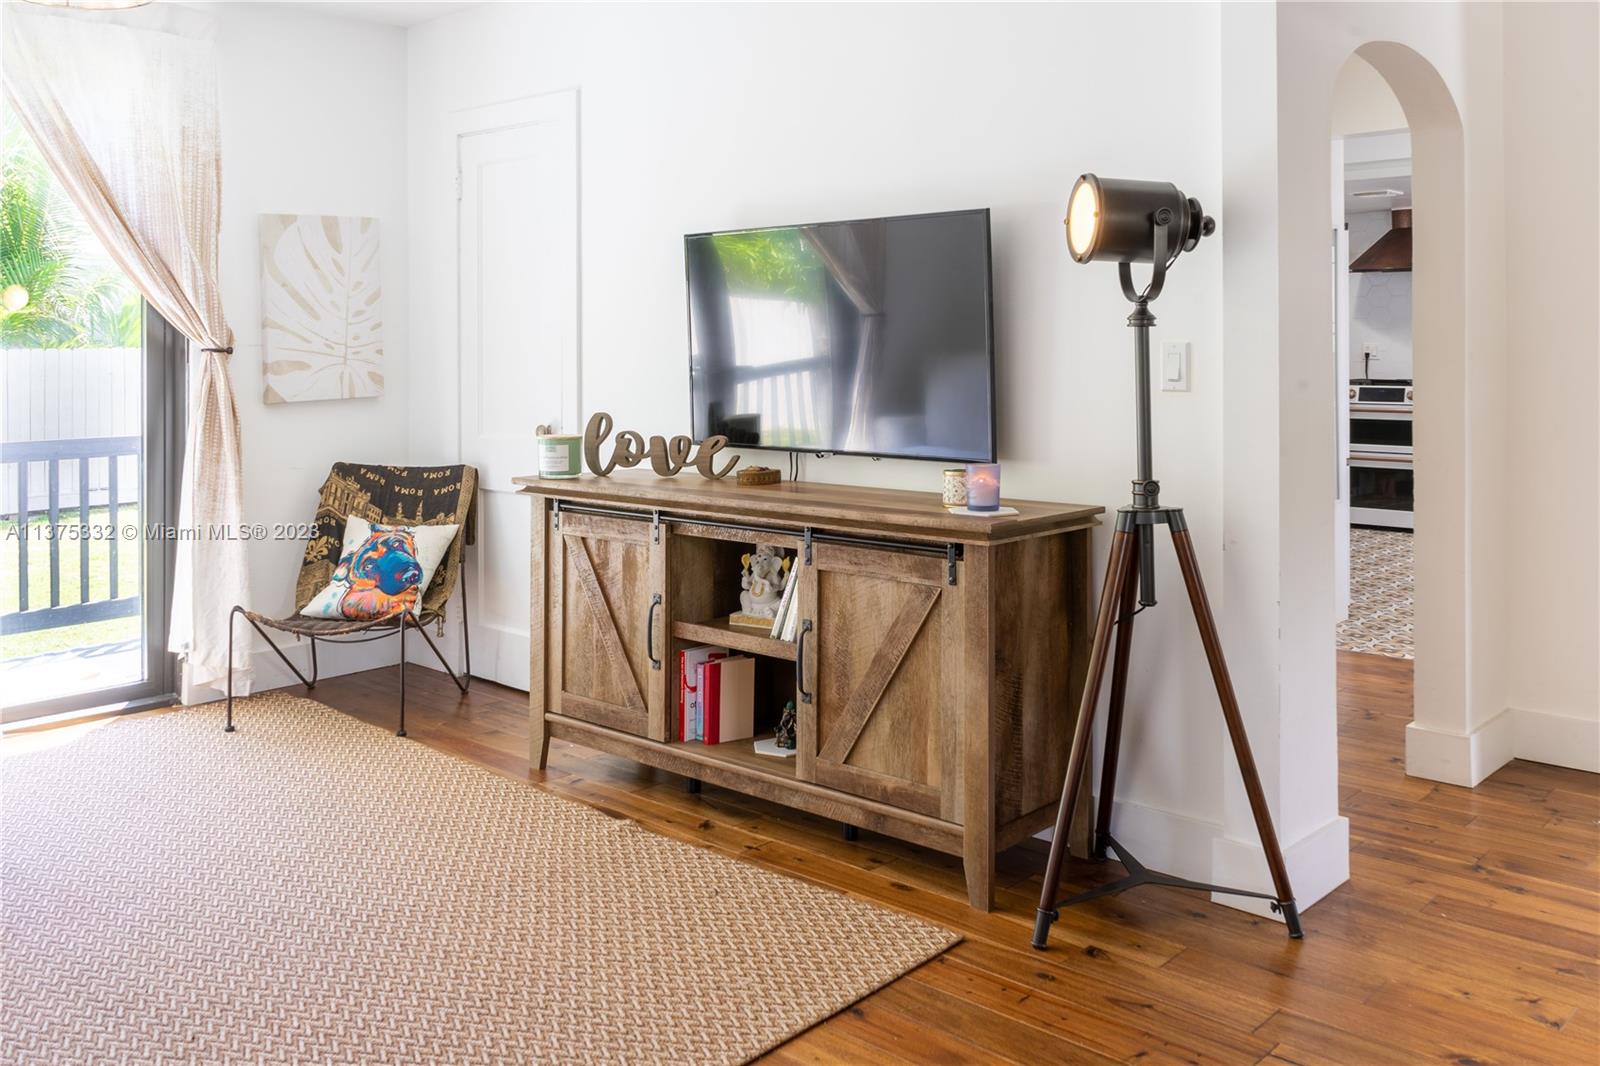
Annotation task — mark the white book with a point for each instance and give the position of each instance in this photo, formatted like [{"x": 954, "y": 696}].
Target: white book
[
  {"x": 791, "y": 624},
  {"x": 784, "y": 602}
]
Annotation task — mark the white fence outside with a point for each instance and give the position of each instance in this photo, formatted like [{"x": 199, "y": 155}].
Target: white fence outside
[{"x": 68, "y": 394}]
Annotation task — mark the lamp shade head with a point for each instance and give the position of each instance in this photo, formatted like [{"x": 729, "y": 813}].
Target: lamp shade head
[
  {"x": 1114, "y": 220},
  {"x": 1083, "y": 218}
]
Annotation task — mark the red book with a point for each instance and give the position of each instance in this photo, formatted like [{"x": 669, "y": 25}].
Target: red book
[
  {"x": 711, "y": 699},
  {"x": 729, "y": 699},
  {"x": 689, "y": 670}
]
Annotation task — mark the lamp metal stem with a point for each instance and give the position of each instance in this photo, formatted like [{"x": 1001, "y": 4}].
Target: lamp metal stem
[{"x": 1146, "y": 489}]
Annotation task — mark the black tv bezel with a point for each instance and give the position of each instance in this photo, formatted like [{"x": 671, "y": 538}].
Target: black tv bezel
[{"x": 988, "y": 305}]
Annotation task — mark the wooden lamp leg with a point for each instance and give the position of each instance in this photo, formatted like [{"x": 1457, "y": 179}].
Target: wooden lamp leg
[
  {"x": 1119, "y": 691},
  {"x": 1190, "y": 565},
  {"x": 1118, "y": 570}
]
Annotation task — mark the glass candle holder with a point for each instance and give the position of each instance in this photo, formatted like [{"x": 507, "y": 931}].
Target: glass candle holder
[{"x": 983, "y": 486}]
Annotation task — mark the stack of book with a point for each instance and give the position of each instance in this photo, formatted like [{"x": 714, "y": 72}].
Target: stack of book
[
  {"x": 716, "y": 695},
  {"x": 786, "y": 622}
]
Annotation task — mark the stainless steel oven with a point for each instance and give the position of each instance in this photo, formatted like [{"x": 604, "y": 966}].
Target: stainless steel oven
[
  {"x": 1382, "y": 486},
  {"x": 1382, "y": 490},
  {"x": 1380, "y": 419}
]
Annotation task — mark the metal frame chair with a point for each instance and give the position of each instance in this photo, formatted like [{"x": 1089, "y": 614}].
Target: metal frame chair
[{"x": 390, "y": 495}]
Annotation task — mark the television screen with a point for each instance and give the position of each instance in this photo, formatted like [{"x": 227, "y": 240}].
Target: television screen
[{"x": 867, "y": 338}]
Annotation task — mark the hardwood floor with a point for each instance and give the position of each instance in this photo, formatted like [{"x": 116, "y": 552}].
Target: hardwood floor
[{"x": 1468, "y": 933}]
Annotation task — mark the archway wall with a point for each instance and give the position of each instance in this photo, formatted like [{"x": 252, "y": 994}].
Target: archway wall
[
  {"x": 1443, "y": 61},
  {"x": 1451, "y": 67},
  {"x": 1279, "y": 400}
]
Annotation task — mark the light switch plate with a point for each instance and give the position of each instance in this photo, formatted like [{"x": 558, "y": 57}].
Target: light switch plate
[{"x": 1174, "y": 366}]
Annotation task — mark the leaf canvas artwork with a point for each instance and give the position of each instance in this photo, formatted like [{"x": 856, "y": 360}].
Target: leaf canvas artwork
[{"x": 321, "y": 308}]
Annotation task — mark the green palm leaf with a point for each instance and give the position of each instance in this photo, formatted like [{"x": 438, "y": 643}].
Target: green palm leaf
[{"x": 44, "y": 248}]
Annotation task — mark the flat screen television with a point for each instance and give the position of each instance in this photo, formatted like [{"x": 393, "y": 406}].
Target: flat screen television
[{"x": 873, "y": 337}]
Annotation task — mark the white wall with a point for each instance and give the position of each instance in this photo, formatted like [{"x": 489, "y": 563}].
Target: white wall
[
  {"x": 312, "y": 115},
  {"x": 1363, "y": 101},
  {"x": 1277, "y": 616},
  {"x": 1380, "y": 305},
  {"x": 696, "y": 118},
  {"x": 1553, "y": 350}
]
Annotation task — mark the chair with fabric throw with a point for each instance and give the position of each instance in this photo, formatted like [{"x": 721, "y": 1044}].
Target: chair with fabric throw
[{"x": 384, "y": 557}]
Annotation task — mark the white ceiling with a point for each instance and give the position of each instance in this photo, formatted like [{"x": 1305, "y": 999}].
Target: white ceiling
[
  {"x": 388, "y": 12},
  {"x": 1375, "y": 162},
  {"x": 1354, "y": 204}
]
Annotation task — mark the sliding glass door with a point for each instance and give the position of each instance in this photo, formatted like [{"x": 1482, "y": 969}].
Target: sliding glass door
[{"x": 90, "y": 442}]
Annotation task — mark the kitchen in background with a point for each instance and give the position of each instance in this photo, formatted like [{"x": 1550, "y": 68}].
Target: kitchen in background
[{"x": 1381, "y": 483}]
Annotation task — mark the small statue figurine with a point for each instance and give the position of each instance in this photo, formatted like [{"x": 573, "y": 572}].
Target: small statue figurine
[
  {"x": 784, "y": 737},
  {"x": 762, "y": 581}
]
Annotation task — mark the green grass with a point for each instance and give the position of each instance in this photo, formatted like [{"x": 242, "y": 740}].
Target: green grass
[{"x": 86, "y": 634}]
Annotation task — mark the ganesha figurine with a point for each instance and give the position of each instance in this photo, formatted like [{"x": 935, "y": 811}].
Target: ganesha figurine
[{"x": 761, "y": 583}]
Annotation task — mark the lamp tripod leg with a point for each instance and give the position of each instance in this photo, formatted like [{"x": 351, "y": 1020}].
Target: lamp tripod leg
[
  {"x": 1119, "y": 691},
  {"x": 1189, "y": 563},
  {"x": 1118, "y": 571}
]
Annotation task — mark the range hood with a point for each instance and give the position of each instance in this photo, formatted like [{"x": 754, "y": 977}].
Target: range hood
[{"x": 1392, "y": 251}]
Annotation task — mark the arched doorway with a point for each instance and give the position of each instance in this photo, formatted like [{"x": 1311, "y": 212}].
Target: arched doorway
[
  {"x": 1442, "y": 457},
  {"x": 1371, "y": 205}
]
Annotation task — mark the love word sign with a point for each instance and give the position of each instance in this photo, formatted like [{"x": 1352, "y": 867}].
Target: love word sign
[{"x": 667, "y": 457}]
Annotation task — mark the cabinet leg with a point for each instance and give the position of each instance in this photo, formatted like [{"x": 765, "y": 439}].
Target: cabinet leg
[
  {"x": 851, "y": 832},
  {"x": 538, "y": 742},
  {"x": 692, "y": 786},
  {"x": 978, "y": 862}
]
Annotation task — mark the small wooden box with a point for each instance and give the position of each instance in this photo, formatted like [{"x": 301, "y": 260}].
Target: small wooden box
[{"x": 760, "y": 475}]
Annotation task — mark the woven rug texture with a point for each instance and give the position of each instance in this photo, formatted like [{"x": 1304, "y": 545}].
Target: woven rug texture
[{"x": 314, "y": 889}]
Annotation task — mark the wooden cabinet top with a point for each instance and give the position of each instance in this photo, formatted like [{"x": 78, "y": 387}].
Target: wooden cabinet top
[{"x": 809, "y": 503}]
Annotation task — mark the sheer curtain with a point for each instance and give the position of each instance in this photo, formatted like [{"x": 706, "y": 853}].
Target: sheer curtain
[{"x": 124, "y": 109}]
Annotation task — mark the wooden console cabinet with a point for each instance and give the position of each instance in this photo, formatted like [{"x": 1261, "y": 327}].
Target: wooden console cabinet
[{"x": 937, "y": 674}]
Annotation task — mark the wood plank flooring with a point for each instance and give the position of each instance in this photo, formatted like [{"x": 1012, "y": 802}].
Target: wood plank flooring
[{"x": 1468, "y": 933}]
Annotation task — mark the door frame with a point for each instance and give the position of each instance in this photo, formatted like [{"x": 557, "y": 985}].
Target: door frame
[{"x": 166, "y": 375}]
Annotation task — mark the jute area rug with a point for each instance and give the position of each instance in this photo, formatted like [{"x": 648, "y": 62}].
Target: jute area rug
[{"x": 314, "y": 889}]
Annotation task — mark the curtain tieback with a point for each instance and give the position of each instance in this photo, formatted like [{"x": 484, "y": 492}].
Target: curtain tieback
[{"x": 225, "y": 351}]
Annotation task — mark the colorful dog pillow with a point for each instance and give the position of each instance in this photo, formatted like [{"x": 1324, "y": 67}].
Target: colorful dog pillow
[{"x": 382, "y": 570}]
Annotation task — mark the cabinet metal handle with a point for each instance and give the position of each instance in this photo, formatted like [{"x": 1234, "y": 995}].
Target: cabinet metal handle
[
  {"x": 650, "y": 632},
  {"x": 800, "y": 661}
]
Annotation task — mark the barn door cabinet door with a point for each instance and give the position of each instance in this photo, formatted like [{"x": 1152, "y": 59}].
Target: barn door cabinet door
[
  {"x": 608, "y": 615},
  {"x": 878, "y": 700}
]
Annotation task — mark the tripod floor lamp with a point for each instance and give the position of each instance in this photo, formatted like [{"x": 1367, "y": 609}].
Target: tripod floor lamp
[{"x": 1128, "y": 222}]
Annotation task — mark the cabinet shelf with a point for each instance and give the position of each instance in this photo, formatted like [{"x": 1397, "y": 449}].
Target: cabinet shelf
[
  {"x": 740, "y": 753},
  {"x": 720, "y": 632}
]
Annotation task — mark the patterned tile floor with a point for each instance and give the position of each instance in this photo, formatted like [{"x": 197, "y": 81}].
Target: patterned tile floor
[{"x": 1380, "y": 594}]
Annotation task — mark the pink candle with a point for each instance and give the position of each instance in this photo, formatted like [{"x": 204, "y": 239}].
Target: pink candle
[{"x": 983, "y": 486}]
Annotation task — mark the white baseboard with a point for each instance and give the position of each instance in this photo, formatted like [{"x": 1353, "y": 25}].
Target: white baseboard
[
  {"x": 1557, "y": 739},
  {"x": 1460, "y": 758},
  {"x": 1318, "y": 863},
  {"x": 1514, "y": 733},
  {"x": 1165, "y": 840},
  {"x": 1192, "y": 848},
  {"x": 270, "y": 672}
]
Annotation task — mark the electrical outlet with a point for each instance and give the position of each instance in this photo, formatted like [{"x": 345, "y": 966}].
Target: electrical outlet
[{"x": 1174, "y": 366}]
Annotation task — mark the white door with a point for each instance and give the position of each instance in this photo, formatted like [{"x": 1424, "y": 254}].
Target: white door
[{"x": 518, "y": 314}]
